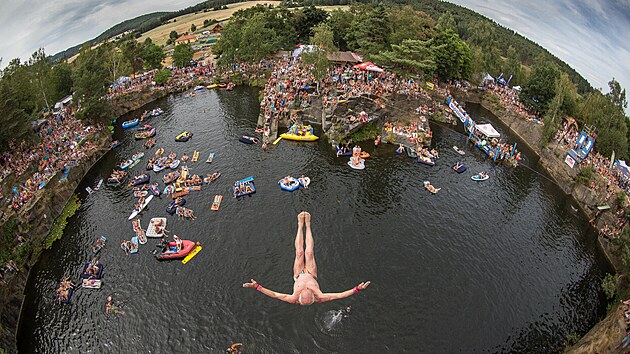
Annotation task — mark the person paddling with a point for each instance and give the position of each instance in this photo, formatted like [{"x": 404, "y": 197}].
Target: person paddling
[{"x": 306, "y": 288}]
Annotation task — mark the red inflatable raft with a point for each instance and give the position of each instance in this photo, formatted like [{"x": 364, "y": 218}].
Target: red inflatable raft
[{"x": 168, "y": 254}]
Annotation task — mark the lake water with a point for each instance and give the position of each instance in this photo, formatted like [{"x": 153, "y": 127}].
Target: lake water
[{"x": 503, "y": 265}]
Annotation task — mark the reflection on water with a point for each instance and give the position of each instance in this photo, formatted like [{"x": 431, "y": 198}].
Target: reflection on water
[{"x": 501, "y": 265}]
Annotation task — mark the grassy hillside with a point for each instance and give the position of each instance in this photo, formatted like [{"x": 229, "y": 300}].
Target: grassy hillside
[
  {"x": 181, "y": 24},
  {"x": 128, "y": 25}
]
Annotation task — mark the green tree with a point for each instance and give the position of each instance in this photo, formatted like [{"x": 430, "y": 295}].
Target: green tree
[
  {"x": 540, "y": 89},
  {"x": 339, "y": 22},
  {"x": 617, "y": 95},
  {"x": 609, "y": 121},
  {"x": 173, "y": 35},
  {"x": 182, "y": 55},
  {"x": 513, "y": 66},
  {"x": 61, "y": 80},
  {"x": 305, "y": 20},
  {"x": 132, "y": 52},
  {"x": 14, "y": 120},
  {"x": 408, "y": 23},
  {"x": 193, "y": 28},
  {"x": 147, "y": 41},
  {"x": 369, "y": 30},
  {"x": 90, "y": 79},
  {"x": 115, "y": 62},
  {"x": 39, "y": 68},
  {"x": 565, "y": 91},
  {"x": 162, "y": 76},
  {"x": 152, "y": 56},
  {"x": 446, "y": 22},
  {"x": 452, "y": 56},
  {"x": 323, "y": 39},
  {"x": 412, "y": 55}
]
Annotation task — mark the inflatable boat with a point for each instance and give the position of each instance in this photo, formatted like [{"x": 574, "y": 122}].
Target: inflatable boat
[
  {"x": 99, "y": 274},
  {"x": 290, "y": 186},
  {"x": 479, "y": 178},
  {"x": 171, "y": 208},
  {"x": 358, "y": 166},
  {"x": 130, "y": 123},
  {"x": 248, "y": 139},
  {"x": 154, "y": 189},
  {"x": 183, "y": 137},
  {"x": 172, "y": 253},
  {"x": 145, "y": 178},
  {"x": 425, "y": 160},
  {"x": 459, "y": 169},
  {"x": 307, "y": 137}
]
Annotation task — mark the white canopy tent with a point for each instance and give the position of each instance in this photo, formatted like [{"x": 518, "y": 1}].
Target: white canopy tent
[
  {"x": 487, "y": 78},
  {"x": 488, "y": 130}
]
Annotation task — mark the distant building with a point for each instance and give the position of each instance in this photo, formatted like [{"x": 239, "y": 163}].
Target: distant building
[
  {"x": 186, "y": 39},
  {"x": 344, "y": 57},
  {"x": 217, "y": 28}
]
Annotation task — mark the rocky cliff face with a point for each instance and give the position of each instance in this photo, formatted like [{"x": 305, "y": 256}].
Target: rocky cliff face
[{"x": 34, "y": 225}]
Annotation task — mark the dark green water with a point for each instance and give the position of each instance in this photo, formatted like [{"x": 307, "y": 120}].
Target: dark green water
[{"x": 498, "y": 266}]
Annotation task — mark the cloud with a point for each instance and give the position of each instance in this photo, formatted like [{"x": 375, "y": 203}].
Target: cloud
[
  {"x": 26, "y": 26},
  {"x": 586, "y": 34}
]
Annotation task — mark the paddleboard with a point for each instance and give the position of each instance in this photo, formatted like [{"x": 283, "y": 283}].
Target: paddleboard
[
  {"x": 277, "y": 140},
  {"x": 603, "y": 207},
  {"x": 89, "y": 190},
  {"x": 136, "y": 212},
  {"x": 191, "y": 254},
  {"x": 195, "y": 156},
  {"x": 217, "y": 202},
  {"x": 210, "y": 157},
  {"x": 98, "y": 186}
]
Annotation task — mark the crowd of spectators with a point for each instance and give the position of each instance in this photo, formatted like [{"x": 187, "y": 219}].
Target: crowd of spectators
[
  {"x": 62, "y": 143},
  {"x": 509, "y": 98}
]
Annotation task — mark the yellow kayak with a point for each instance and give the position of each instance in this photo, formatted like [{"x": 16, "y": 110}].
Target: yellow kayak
[
  {"x": 191, "y": 254},
  {"x": 307, "y": 137},
  {"x": 212, "y": 86}
]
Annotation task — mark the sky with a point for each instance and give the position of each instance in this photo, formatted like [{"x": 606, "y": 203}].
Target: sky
[
  {"x": 590, "y": 35},
  {"x": 587, "y": 34}
]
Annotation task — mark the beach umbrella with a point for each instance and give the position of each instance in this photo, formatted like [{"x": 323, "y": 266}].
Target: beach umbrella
[{"x": 368, "y": 66}]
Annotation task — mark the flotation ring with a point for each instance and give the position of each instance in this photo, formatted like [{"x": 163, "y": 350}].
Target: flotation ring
[{"x": 292, "y": 185}]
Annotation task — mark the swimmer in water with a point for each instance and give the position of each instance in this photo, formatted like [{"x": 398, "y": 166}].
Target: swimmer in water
[
  {"x": 234, "y": 348},
  {"x": 306, "y": 288}
]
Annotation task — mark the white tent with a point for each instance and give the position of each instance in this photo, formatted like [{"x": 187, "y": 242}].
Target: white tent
[
  {"x": 304, "y": 48},
  {"x": 487, "y": 78},
  {"x": 488, "y": 130},
  {"x": 516, "y": 88}
]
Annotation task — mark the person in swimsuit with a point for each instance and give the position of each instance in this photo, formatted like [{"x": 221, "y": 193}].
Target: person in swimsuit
[{"x": 306, "y": 288}]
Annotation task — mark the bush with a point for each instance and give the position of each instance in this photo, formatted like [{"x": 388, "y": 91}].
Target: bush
[
  {"x": 585, "y": 175},
  {"x": 622, "y": 200},
  {"x": 162, "y": 76},
  {"x": 609, "y": 285},
  {"x": 56, "y": 231}
]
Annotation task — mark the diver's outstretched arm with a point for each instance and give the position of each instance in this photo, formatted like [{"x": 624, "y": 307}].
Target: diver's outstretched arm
[
  {"x": 292, "y": 299},
  {"x": 324, "y": 297}
]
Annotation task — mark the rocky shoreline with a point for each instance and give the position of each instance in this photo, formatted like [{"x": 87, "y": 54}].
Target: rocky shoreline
[
  {"x": 608, "y": 333},
  {"x": 38, "y": 219},
  {"x": 43, "y": 213}
]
